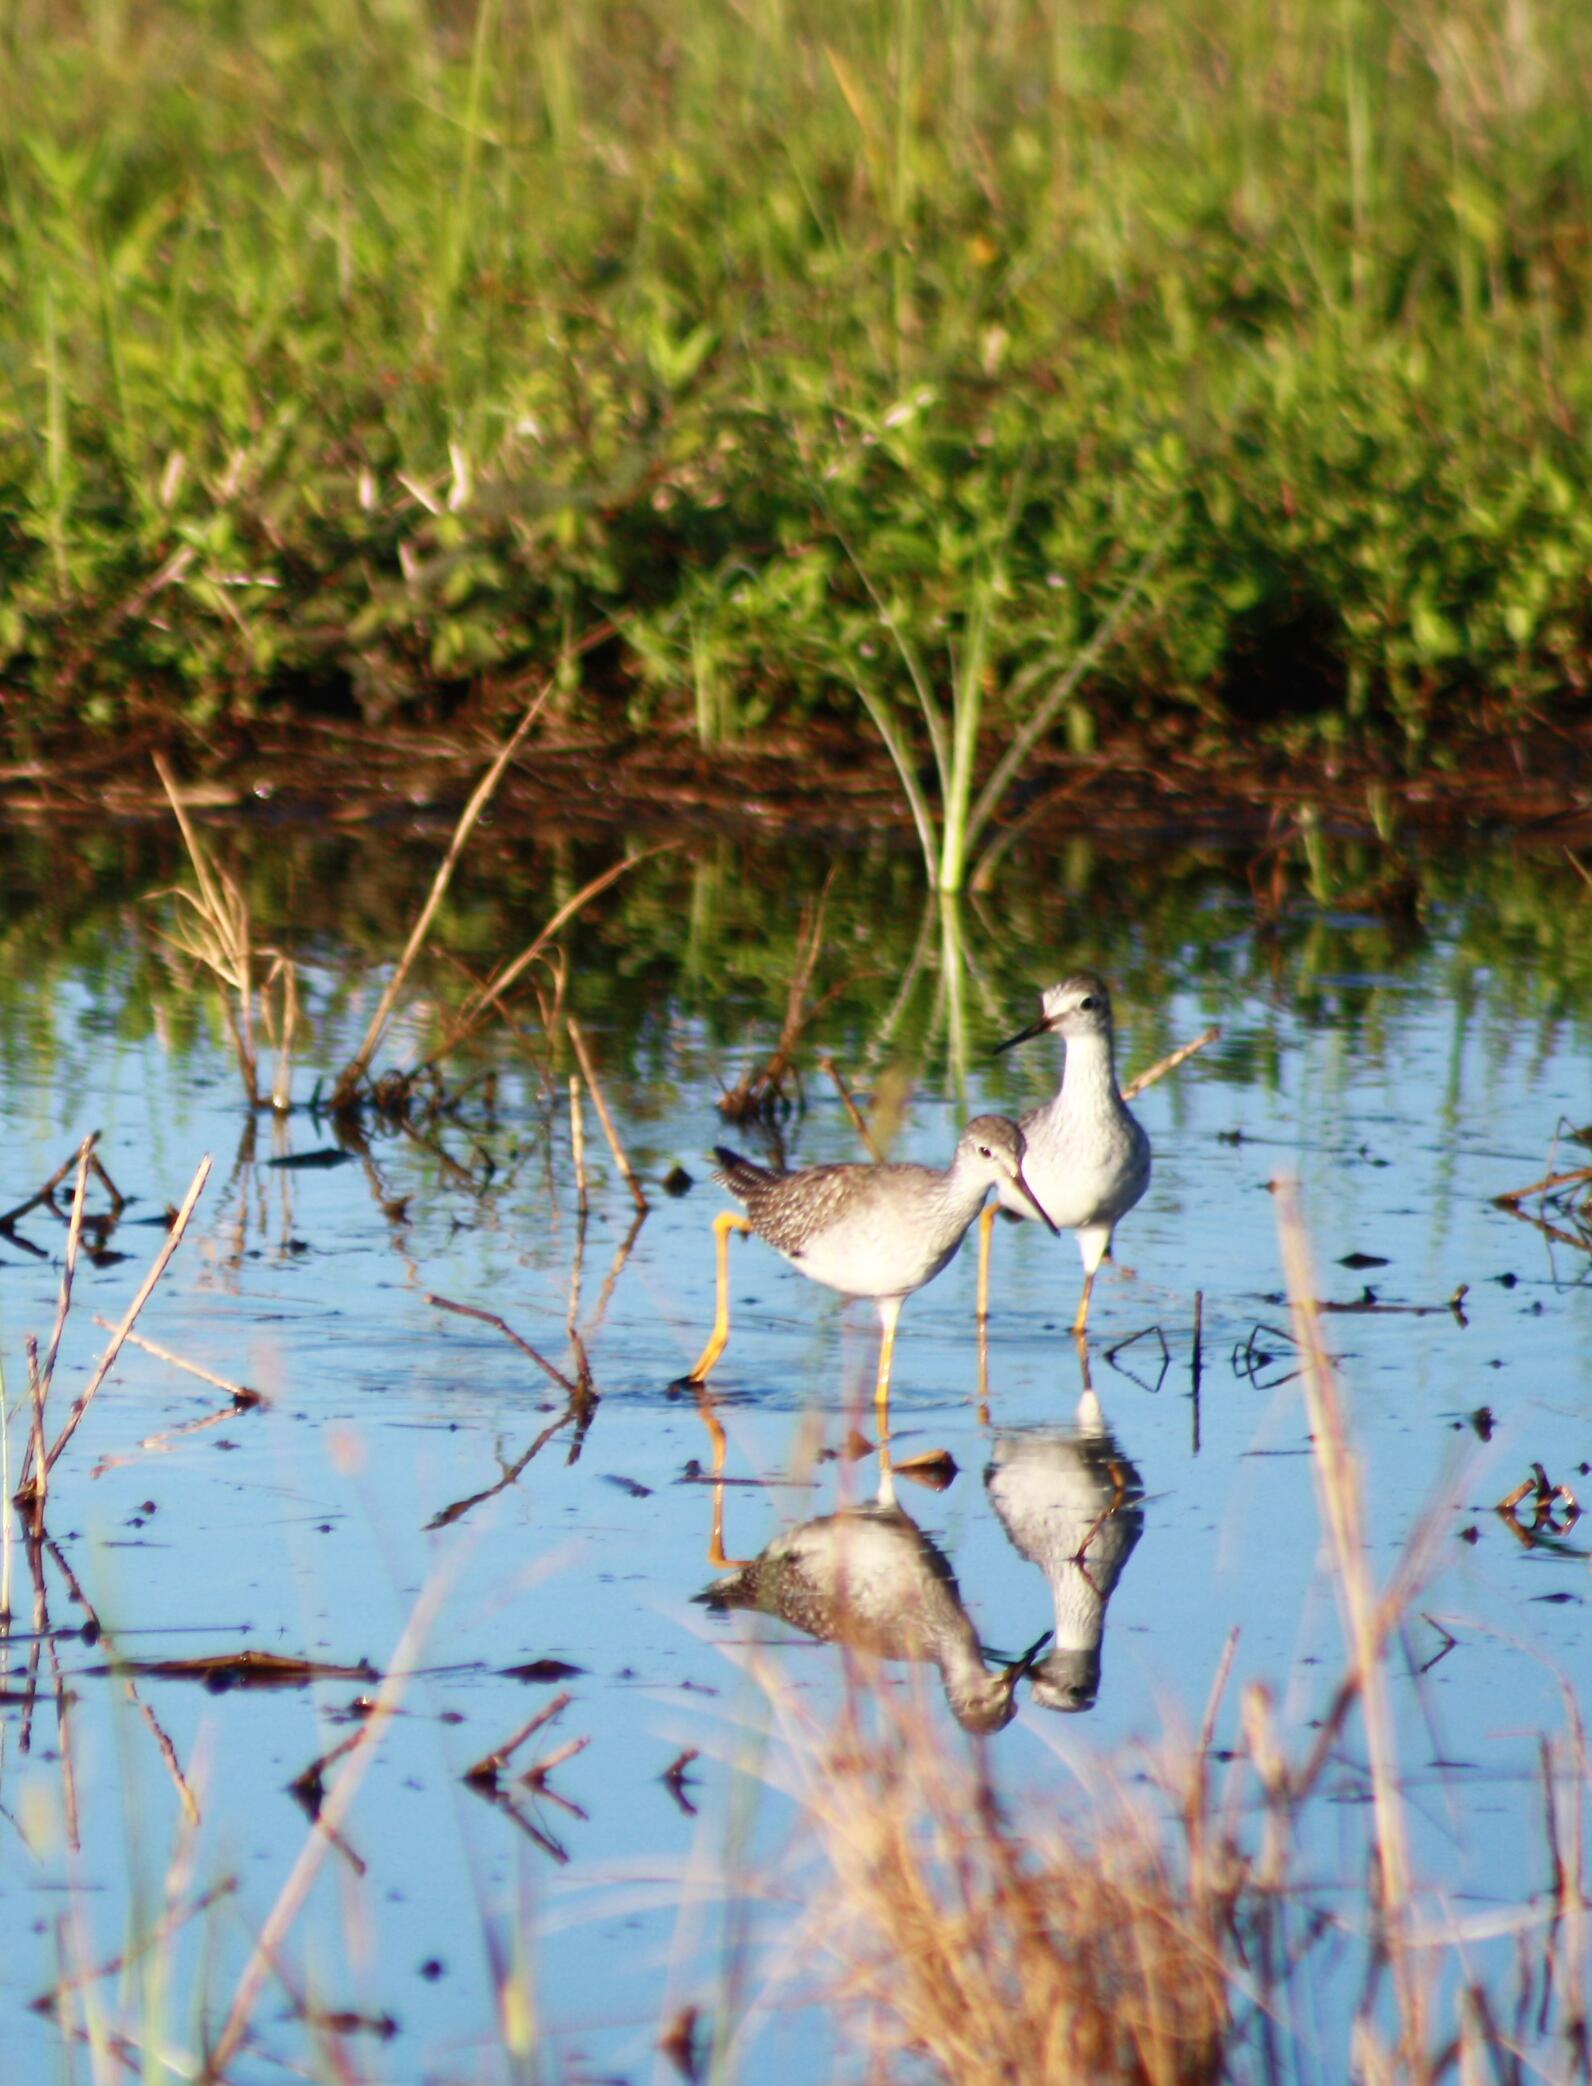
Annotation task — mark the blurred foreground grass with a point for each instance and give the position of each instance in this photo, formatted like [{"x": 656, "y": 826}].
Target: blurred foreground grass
[{"x": 360, "y": 352}]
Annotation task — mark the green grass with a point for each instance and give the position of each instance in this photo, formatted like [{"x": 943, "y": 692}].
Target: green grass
[{"x": 354, "y": 353}]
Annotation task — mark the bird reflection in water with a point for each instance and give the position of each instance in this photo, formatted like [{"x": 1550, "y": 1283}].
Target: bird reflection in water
[
  {"x": 1071, "y": 1503},
  {"x": 868, "y": 1577}
]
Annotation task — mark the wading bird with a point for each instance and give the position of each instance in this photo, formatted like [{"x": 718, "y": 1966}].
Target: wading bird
[
  {"x": 868, "y": 1231},
  {"x": 1085, "y": 1156}
]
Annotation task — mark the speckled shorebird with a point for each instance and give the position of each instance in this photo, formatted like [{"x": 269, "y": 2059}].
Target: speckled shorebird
[
  {"x": 1072, "y": 1504},
  {"x": 1086, "y": 1157},
  {"x": 868, "y": 1231},
  {"x": 869, "y": 1577}
]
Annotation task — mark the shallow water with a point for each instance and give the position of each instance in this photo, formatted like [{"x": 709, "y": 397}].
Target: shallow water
[{"x": 1407, "y": 1069}]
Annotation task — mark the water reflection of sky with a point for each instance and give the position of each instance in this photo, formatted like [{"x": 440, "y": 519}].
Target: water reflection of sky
[{"x": 1405, "y": 1081}]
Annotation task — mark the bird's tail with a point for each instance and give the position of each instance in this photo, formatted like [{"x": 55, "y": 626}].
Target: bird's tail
[{"x": 741, "y": 1176}]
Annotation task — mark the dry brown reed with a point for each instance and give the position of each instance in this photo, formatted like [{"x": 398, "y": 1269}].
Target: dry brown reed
[
  {"x": 1169, "y": 1063},
  {"x": 265, "y": 1959},
  {"x": 215, "y": 933},
  {"x": 760, "y": 1092},
  {"x": 1002, "y": 1950},
  {"x": 599, "y": 1102},
  {"x": 353, "y": 1073},
  {"x": 146, "y": 1289}
]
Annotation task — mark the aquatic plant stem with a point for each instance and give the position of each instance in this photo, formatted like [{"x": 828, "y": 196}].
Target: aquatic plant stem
[
  {"x": 162, "y": 1259},
  {"x": 1028, "y": 735},
  {"x": 475, "y": 1010},
  {"x": 1365, "y": 1618},
  {"x": 594, "y": 1087},
  {"x": 333, "y": 1811},
  {"x": 35, "y": 1463},
  {"x": 1170, "y": 1062},
  {"x": 359, "y": 1064}
]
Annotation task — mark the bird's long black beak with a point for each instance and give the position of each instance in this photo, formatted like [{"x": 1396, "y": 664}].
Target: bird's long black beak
[
  {"x": 1019, "y": 1669},
  {"x": 1055, "y": 1230},
  {"x": 1034, "y": 1028}
]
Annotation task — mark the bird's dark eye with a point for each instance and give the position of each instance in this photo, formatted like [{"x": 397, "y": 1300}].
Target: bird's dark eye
[
  {"x": 1088, "y": 1000},
  {"x": 984, "y": 1152}
]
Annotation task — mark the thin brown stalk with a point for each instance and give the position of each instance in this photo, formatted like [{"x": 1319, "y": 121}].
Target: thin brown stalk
[
  {"x": 155, "y": 1936},
  {"x": 63, "y": 1302},
  {"x": 173, "y": 1437},
  {"x": 1365, "y": 1619},
  {"x": 145, "y": 1289},
  {"x": 581, "y": 1403},
  {"x": 858, "y": 1120},
  {"x": 283, "y": 1033},
  {"x": 758, "y": 1090},
  {"x": 47, "y": 1191},
  {"x": 323, "y": 1833},
  {"x": 359, "y": 1064},
  {"x": 541, "y": 1771},
  {"x": 1549, "y": 1182},
  {"x": 219, "y": 936},
  {"x": 475, "y": 1010},
  {"x": 239, "y": 1391},
  {"x": 157, "y": 1731},
  {"x": 35, "y": 1467},
  {"x": 1169, "y": 1063},
  {"x": 594, "y": 1086},
  {"x": 621, "y": 1254},
  {"x": 491, "y": 1765},
  {"x": 491, "y": 1318},
  {"x": 577, "y": 1144}
]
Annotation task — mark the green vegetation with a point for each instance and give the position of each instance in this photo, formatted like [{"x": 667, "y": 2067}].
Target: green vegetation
[{"x": 361, "y": 354}]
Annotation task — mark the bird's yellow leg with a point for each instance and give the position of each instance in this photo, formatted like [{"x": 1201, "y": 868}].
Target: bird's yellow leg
[
  {"x": 1096, "y": 1245},
  {"x": 986, "y": 1228},
  {"x": 1081, "y": 1321},
  {"x": 723, "y": 1224},
  {"x": 889, "y": 1312},
  {"x": 716, "y": 1435}
]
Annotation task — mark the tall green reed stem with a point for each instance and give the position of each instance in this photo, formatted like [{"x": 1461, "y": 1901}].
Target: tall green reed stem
[{"x": 950, "y": 826}]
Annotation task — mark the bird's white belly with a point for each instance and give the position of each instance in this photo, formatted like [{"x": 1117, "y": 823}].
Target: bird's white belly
[
  {"x": 1087, "y": 1179},
  {"x": 866, "y": 1254}
]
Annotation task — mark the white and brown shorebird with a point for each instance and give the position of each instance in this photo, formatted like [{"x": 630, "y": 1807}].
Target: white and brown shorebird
[
  {"x": 1073, "y": 1504},
  {"x": 1086, "y": 1158},
  {"x": 870, "y": 1578},
  {"x": 868, "y": 1231}
]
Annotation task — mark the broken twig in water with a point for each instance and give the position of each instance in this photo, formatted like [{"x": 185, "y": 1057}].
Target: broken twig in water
[
  {"x": 491, "y": 1766},
  {"x": 36, "y": 1479},
  {"x": 359, "y": 1064},
  {"x": 589, "y": 1073},
  {"x": 46, "y": 1193},
  {"x": 290, "y": 1899},
  {"x": 1550, "y": 1184},
  {"x": 474, "y": 1011},
  {"x": 1169, "y": 1063},
  {"x": 858, "y": 1121},
  {"x": 761, "y": 1093},
  {"x": 491, "y": 1318},
  {"x": 579, "y": 1409},
  {"x": 240, "y": 1393},
  {"x": 577, "y": 1144}
]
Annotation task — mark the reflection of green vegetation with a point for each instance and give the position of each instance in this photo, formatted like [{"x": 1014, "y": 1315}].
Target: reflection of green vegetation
[
  {"x": 354, "y": 352},
  {"x": 683, "y": 965}
]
